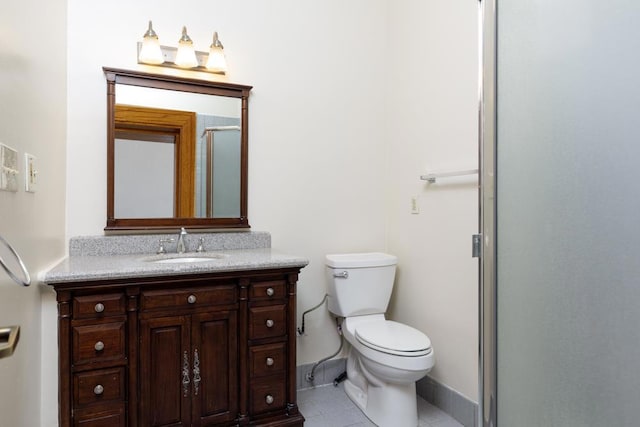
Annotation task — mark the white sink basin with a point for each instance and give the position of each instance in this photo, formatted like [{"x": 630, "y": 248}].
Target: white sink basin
[{"x": 180, "y": 259}]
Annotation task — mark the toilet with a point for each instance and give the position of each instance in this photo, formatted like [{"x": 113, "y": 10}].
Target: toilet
[{"x": 386, "y": 358}]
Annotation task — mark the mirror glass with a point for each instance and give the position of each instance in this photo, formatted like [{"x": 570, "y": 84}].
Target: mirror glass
[
  {"x": 217, "y": 157},
  {"x": 177, "y": 152}
]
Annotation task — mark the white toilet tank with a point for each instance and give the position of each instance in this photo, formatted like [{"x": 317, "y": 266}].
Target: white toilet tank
[{"x": 359, "y": 283}]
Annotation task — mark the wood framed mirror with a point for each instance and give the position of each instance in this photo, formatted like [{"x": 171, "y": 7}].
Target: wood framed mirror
[{"x": 177, "y": 152}]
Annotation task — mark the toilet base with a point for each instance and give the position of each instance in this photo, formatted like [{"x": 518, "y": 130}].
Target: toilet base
[{"x": 393, "y": 405}]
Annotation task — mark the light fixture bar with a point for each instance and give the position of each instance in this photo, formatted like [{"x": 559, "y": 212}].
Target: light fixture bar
[{"x": 169, "y": 56}]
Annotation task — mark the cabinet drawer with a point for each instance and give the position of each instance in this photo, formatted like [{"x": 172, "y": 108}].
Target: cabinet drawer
[
  {"x": 267, "y": 359},
  {"x": 268, "y": 321},
  {"x": 275, "y": 289},
  {"x": 103, "y": 341},
  {"x": 267, "y": 394},
  {"x": 96, "y": 306},
  {"x": 110, "y": 416},
  {"x": 98, "y": 386},
  {"x": 187, "y": 297}
]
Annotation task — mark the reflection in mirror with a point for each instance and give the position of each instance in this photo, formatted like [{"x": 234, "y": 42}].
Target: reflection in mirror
[
  {"x": 144, "y": 175},
  {"x": 177, "y": 152},
  {"x": 217, "y": 150},
  {"x": 157, "y": 174},
  {"x": 218, "y": 194}
]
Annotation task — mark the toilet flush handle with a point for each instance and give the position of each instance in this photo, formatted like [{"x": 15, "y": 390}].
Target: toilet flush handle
[{"x": 343, "y": 274}]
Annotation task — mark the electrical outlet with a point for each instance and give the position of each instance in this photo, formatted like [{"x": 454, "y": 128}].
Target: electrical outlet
[
  {"x": 30, "y": 173},
  {"x": 415, "y": 205}
]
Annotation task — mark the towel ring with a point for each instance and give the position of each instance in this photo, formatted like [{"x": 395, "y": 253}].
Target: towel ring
[{"x": 27, "y": 279}]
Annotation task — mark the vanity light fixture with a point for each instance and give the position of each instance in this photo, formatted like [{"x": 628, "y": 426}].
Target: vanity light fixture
[{"x": 185, "y": 56}]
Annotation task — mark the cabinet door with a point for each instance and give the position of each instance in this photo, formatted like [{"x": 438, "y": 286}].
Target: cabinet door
[
  {"x": 165, "y": 371},
  {"x": 215, "y": 370}
]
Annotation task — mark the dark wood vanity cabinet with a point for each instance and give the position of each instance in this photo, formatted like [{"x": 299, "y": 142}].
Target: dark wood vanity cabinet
[
  {"x": 191, "y": 334},
  {"x": 199, "y": 350}
]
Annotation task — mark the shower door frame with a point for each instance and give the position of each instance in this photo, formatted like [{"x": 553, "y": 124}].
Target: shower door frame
[{"x": 487, "y": 322}]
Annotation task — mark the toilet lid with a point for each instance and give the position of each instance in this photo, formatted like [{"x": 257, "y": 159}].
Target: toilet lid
[{"x": 393, "y": 338}]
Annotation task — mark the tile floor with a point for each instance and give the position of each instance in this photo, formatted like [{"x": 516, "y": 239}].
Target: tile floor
[{"x": 329, "y": 406}]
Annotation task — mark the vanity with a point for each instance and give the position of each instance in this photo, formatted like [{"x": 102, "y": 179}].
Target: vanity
[
  {"x": 151, "y": 340},
  {"x": 202, "y": 337}
]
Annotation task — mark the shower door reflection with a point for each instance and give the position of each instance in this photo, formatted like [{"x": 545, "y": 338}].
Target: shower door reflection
[{"x": 219, "y": 192}]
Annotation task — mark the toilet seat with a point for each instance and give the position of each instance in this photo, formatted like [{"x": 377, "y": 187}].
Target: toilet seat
[{"x": 394, "y": 338}]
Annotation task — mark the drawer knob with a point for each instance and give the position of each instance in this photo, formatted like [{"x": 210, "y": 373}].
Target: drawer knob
[
  {"x": 98, "y": 390},
  {"x": 99, "y": 346},
  {"x": 269, "y": 361},
  {"x": 191, "y": 299},
  {"x": 270, "y": 292},
  {"x": 268, "y": 399},
  {"x": 270, "y": 323},
  {"x": 99, "y": 308}
]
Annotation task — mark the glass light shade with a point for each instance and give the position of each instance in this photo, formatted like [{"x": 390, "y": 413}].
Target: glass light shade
[
  {"x": 186, "y": 55},
  {"x": 150, "y": 52},
  {"x": 216, "y": 61}
]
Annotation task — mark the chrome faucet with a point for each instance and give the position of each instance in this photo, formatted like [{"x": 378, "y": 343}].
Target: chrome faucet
[{"x": 181, "y": 247}]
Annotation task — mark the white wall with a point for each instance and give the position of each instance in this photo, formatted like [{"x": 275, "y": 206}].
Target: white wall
[
  {"x": 32, "y": 119},
  {"x": 433, "y": 111},
  {"x": 352, "y": 101}
]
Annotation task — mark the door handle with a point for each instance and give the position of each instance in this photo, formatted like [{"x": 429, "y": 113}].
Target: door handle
[
  {"x": 196, "y": 372},
  {"x": 9, "y": 336},
  {"x": 185, "y": 375}
]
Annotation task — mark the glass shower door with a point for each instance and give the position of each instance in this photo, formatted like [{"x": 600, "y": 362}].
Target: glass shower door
[{"x": 567, "y": 209}]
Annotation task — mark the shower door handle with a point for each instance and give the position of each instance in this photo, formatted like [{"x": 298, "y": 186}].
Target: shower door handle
[{"x": 476, "y": 246}]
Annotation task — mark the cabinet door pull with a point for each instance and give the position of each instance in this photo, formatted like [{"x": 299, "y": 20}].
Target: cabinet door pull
[
  {"x": 99, "y": 307},
  {"x": 270, "y": 323},
  {"x": 268, "y": 399},
  {"x": 196, "y": 372},
  {"x": 270, "y": 292},
  {"x": 99, "y": 346},
  {"x": 98, "y": 390},
  {"x": 191, "y": 299},
  {"x": 270, "y": 361},
  {"x": 185, "y": 375}
]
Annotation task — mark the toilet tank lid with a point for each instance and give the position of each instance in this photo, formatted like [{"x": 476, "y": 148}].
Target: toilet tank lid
[{"x": 360, "y": 260}]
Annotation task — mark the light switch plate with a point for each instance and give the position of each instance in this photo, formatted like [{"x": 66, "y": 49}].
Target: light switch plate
[
  {"x": 30, "y": 173},
  {"x": 8, "y": 168}
]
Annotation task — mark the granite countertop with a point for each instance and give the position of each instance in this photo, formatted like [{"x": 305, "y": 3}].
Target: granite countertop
[
  {"x": 80, "y": 268},
  {"x": 99, "y": 259}
]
